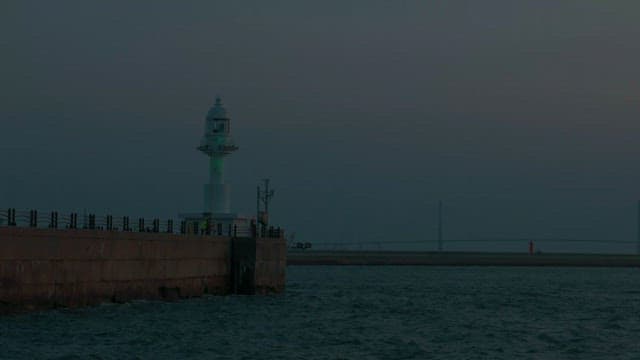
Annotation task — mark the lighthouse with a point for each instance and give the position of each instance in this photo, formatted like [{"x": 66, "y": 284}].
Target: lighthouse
[
  {"x": 216, "y": 218},
  {"x": 217, "y": 144}
]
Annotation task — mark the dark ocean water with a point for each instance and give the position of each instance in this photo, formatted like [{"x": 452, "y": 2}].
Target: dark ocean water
[{"x": 361, "y": 313}]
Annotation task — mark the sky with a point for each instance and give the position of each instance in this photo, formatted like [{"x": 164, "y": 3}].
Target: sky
[{"x": 521, "y": 117}]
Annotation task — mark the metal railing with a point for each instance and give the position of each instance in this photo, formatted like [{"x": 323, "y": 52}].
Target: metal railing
[{"x": 109, "y": 222}]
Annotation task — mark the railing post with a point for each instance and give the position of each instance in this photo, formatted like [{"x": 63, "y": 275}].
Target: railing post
[
  {"x": 73, "y": 221},
  {"x": 33, "y": 218},
  {"x": 141, "y": 224},
  {"x": 11, "y": 217}
]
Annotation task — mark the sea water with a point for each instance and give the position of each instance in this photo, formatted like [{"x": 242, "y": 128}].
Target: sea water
[{"x": 360, "y": 312}]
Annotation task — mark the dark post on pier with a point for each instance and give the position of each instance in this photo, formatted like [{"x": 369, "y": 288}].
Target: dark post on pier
[
  {"x": 638, "y": 231},
  {"x": 440, "y": 225}
]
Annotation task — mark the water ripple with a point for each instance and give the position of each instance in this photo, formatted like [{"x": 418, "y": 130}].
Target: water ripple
[{"x": 360, "y": 313}]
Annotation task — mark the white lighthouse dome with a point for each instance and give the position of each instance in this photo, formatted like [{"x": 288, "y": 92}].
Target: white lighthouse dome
[
  {"x": 217, "y": 132},
  {"x": 217, "y": 111}
]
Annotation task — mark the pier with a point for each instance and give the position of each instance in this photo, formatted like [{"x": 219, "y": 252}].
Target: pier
[{"x": 428, "y": 258}]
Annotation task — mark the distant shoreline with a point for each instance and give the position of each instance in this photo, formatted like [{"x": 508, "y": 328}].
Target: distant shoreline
[{"x": 459, "y": 259}]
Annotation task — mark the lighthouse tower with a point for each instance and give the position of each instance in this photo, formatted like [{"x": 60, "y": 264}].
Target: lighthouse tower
[{"x": 217, "y": 143}]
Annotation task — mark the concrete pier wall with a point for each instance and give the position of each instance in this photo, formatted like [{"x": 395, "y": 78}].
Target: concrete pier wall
[
  {"x": 42, "y": 268},
  {"x": 271, "y": 265}
]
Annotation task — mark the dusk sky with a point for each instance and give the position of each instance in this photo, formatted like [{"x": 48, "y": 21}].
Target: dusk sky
[{"x": 521, "y": 116}]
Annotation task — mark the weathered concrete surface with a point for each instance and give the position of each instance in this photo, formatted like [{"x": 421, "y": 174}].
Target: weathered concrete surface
[
  {"x": 42, "y": 268},
  {"x": 243, "y": 266},
  {"x": 271, "y": 265},
  {"x": 458, "y": 259},
  {"x": 258, "y": 266}
]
